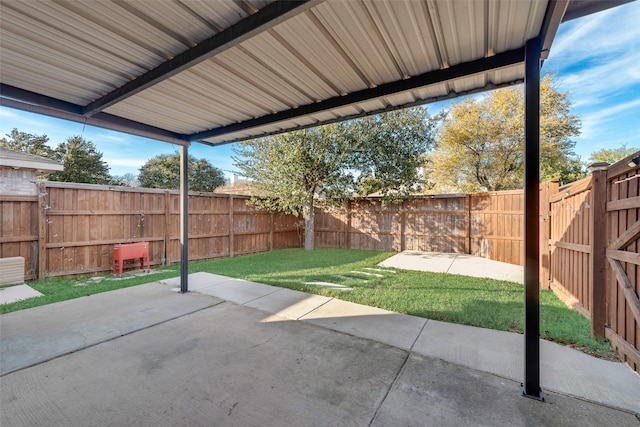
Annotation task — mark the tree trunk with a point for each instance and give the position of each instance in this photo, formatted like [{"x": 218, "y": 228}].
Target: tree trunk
[{"x": 308, "y": 214}]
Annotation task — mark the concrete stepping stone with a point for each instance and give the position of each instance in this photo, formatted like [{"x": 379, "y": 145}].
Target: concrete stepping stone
[
  {"x": 380, "y": 270},
  {"x": 329, "y": 285},
  {"x": 357, "y": 279},
  {"x": 368, "y": 274},
  {"x": 11, "y": 294}
]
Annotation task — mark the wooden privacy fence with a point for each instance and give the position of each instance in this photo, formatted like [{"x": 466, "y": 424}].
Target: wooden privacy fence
[
  {"x": 71, "y": 228},
  {"x": 484, "y": 224},
  {"x": 594, "y": 252}
]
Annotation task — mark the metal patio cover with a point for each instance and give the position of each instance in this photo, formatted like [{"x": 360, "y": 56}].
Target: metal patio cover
[{"x": 222, "y": 71}]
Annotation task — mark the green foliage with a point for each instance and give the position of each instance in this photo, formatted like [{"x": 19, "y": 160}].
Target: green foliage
[
  {"x": 612, "y": 155},
  {"x": 163, "y": 171},
  {"x": 375, "y": 154},
  {"x": 481, "y": 144},
  {"x": 289, "y": 169},
  {"x": 28, "y": 143},
  {"x": 572, "y": 171},
  {"x": 82, "y": 163},
  {"x": 81, "y": 160},
  {"x": 390, "y": 149}
]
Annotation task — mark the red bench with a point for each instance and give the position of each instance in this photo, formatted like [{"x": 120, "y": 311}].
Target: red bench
[{"x": 123, "y": 252}]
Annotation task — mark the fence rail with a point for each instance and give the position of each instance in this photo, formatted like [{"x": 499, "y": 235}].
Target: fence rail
[{"x": 71, "y": 228}]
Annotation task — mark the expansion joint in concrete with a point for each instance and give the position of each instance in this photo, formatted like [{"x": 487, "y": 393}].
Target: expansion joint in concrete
[
  {"x": 391, "y": 386},
  {"x": 75, "y": 350}
]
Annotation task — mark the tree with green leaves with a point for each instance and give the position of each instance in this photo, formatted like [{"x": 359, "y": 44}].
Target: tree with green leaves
[
  {"x": 28, "y": 143},
  {"x": 612, "y": 155},
  {"x": 291, "y": 171},
  {"x": 82, "y": 162},
  {"x": 390, "y": 151},
  {"x": 163, "y": 171},
  {"x": 481, "y": 143}
]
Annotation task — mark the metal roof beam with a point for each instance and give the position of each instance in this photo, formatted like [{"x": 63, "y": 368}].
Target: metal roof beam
[
  {"x": 500, "y": 60},
  {"x": 552, "y": 19},
  {"x": 32, "y": 102},
  {"x": 36, "y": 99},
  {"x": 421, "y": 101},
  {"x": 578, "y": 9},
  {"x": 267, "y": 17}
]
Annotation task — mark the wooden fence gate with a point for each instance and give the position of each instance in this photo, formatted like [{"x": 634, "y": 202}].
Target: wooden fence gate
[
  {"x": 623, "y": 259},
  {"x": 594, "y": 252}
]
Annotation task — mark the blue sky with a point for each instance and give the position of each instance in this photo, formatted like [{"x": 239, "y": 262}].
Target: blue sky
[{"x": 596, "y": 59}]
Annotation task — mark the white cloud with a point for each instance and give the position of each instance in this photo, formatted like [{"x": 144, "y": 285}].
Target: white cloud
[
  {"x": 605, "y": 34},
  {"x": 615, "y": 110},
  {"x": 597, "y": 122},
  {"x": 597, "y": 84},
  {"x": 5, "y": 112}
]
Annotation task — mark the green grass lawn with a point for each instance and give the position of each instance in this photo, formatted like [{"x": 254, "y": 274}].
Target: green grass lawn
[
  {"x": 451, "y": 298},
  {"x": 56, "y": 289}
]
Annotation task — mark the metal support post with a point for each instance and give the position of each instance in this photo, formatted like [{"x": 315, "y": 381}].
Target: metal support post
[
  {"x": 184, "y": 219},
  {"x": 531, "y": 385}
]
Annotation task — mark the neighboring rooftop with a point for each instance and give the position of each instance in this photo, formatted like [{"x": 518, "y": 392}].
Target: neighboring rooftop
[{"x": 21, "y": 160}]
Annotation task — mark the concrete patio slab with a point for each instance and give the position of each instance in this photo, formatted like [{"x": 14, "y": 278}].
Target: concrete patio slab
[
  {"x": 437, "y": 393},
  {"x": 220, "y": 363},
  {"x": 422, "y": 261},
  {"x": 469, "y": 265},
  {"x": 466, "y": 265},
  {"x": 15, "y": 293},
  {"x": 497, "y": 352},
  {"x": 39, "y": 334},
  {"x": 200, "y": 281},
  {"x": 216, "y": 367},
  {"x": 487, "y": 350},
  {"x": 238, "y": 291},
  {"x": 591, "y": 378},
  {"x": 227, "y": 288},
  {"x": 562, "y": 369},
  {"x": 368, "y": 322},
  {"x": 288, "y": 303}
]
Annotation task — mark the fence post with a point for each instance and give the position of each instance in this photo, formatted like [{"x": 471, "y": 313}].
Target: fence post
[
  {"x": 270, "y": 231},
  {"x": 547, "y": 189},
  {"x": 167, "y": 227},
  {"x": 42, "y": 230},
  {"x": 231, "y": 238},
  {"x": 598, "y": 240},
  {"x": 342, "y": 243},
  {"x": 468, "y": 238},
  {"x": 403, "y": 225},
  {"x": 347, "y": 241}
]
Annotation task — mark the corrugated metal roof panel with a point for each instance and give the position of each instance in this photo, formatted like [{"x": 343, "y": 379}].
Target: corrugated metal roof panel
[
  {"x": 324, "y": 51},
  {"x": 351, "y": 24},
  {"x": 318, "y": 60},
  {"x": 221, "y": 78},
  {"x": 290, "y": 69}
]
